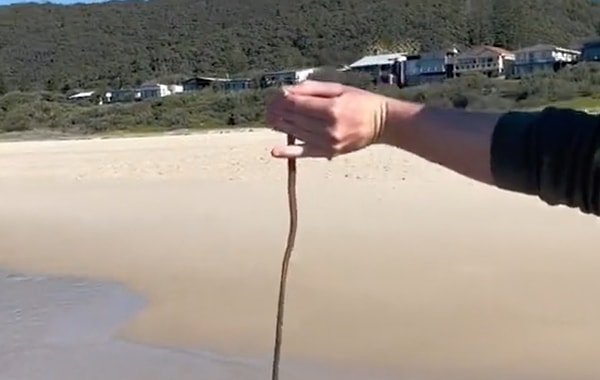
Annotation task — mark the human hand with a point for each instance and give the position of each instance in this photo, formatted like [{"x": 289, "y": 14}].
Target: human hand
[{"x": 329, "y": 118}]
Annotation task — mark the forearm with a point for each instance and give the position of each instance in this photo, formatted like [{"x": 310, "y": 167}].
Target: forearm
[
  {"x": 455, "y": 139},
  {"x": 553, "y": 154}
]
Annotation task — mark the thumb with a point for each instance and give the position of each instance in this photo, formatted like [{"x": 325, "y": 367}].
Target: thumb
[
  {"x": 317, "y": 88},
  {"x": 296, "y": 151}
]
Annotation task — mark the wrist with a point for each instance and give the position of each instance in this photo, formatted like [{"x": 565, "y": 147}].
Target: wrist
[{"x": 400, "y": 118}]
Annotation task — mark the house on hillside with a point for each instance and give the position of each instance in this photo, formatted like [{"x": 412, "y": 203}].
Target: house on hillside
[
  {"x": 430, "y": 67},
  {"x": 120, "y": 95},
  {"x": 200, "y": 83},
  {"x": 157, "y": 90},
  {"x": 237, "y": 84},
  {"x": 492, "y": 61},
  {"x": 590, "y": 51},
  {"x": 285, "y": 77},
  {"x": 387, "y": 68},
  {"x": 226, "y": 84},
  {"x": 542, "y": 57}
]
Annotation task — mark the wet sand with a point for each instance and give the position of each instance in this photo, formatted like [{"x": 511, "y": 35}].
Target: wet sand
[{"x": 401, "y": 267}]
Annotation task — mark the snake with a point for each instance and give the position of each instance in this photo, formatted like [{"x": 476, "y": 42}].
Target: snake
[{"x": 291, "y": 240}]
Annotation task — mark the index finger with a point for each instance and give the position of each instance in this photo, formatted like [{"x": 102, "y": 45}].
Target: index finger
[
  {"x": 318, "y": 88},
  {"x": 316, "y": 107}
]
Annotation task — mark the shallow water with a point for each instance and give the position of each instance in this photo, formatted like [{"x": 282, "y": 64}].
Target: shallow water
[{"x": 65, "y": 329}]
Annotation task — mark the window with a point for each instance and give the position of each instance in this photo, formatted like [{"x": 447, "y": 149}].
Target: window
[{"x": 467, "y": 61}]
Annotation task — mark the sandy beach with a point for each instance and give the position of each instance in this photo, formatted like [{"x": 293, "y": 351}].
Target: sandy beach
[{"x": 401, "y": 266}]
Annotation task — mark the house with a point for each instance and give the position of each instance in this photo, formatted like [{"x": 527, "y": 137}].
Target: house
[
  {"x": 237, "y": 84},
  {"x": 429, "y": 67},
  {"x": 489, "y": 60},
  {"x": 199, "y": 83},
  {"x": 285, "y": 77},
  {"x": 590, "y": 51},
  {"x": 386, "y": 68},
  {"x": 121, "y": 95},
  {"x": 157, "y": 90},
  {"x": 542, "y": 57},
  {"x": 376, "y": 63},
  {"x": 227, "y": 84}
]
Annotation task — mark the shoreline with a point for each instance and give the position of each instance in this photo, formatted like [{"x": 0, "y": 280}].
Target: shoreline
[
  {"x": 84, "y": 326},
  {"x": 39, "y": 136}
]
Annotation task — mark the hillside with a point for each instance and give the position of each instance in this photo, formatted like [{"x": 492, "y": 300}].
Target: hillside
[{"x": 56, "y": 47}]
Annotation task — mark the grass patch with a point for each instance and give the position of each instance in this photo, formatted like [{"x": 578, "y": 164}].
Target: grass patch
[
  {"x": 51, "y": 114},
  {"x": 580, "y": 103}
]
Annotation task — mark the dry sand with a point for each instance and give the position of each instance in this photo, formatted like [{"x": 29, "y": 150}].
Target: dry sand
[{"x": 399, "y": 265}]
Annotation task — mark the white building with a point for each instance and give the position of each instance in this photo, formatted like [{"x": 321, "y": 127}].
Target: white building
[
  {"x": 387, "y": 68},
  {"x": 157, "y": 90},
  {"x": 542, "y": 57},
  {"x": 377, "y": 62},
  {"x": 489, "y": 60}
]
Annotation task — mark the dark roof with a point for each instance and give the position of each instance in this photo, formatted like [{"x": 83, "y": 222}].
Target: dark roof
[
  {"x": 206, "y": 79},
  {"x": 212, "y": 79},
  {"x": 592, "y": 43}
]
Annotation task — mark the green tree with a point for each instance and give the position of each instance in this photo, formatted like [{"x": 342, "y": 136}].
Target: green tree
[{"x": 122, "y": 43}]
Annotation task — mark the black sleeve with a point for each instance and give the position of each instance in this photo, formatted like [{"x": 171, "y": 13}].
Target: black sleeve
[{"x": 553, "y": 154}]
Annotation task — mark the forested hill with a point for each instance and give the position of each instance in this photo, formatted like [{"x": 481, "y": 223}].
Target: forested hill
[{"x": 124, "y": 42}]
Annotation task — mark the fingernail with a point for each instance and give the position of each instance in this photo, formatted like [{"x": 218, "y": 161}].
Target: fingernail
[{"x": 275, "y": 152}]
